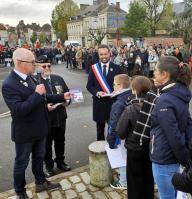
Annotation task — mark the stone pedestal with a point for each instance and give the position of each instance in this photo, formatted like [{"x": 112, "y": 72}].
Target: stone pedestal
[{"x": 100, "y": 170}]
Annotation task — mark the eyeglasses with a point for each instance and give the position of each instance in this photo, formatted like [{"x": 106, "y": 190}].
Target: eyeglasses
[
  {"x": 30, "y": 62},
  {"x": 115, "y": 84},
  {"x": 47, "y": 65}
]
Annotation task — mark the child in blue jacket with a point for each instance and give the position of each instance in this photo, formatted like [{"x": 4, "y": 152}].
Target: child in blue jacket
[{"x": 121, "y": 95}]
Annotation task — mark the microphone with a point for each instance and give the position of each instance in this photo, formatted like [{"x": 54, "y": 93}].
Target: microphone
[
  {"x": 38, "y": 79},
  {"x": 38, "y": 76}
]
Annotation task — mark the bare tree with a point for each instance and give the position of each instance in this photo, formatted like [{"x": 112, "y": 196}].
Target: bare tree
[
  {"x": 188, "y": 3},
  {"x": 97, "y": 34},
  {"x": 155, "y": 10}
]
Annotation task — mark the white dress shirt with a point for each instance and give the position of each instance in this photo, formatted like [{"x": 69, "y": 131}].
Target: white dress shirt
[{"x": 107, "y": 67}]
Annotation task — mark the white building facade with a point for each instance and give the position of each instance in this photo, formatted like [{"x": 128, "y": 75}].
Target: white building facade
[
  {"x": 100, "y": 16},
  {"x": 3, "y": 34}
]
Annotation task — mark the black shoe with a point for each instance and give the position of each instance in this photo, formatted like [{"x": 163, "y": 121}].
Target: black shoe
[
  {"x": 22, "y": 196},
  {"x": 49, "y": 172},
  {"x": 47, "y": 185},
  {"x": 63, "y": 167}
]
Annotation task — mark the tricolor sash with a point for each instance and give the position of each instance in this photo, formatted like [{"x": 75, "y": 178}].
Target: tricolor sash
[{"x": 100, "y": 78}]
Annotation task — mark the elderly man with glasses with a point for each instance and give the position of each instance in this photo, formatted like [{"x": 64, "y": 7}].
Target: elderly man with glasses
[
  {"x": 57, "y": 115},
  {"x": 29, "y": 128}
]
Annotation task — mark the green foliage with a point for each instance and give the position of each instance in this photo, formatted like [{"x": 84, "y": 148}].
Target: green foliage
[
  {"x": 61, "y": 14},
  {"x": 33, "y": 37},
  {"x": 135, "y": 24},
  {"x": 42, "y": 38}
]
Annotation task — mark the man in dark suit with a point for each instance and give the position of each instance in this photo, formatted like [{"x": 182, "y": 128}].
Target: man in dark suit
[
  {"x": 55, "y": 84},
  {"x": 29, "y": 128},
  {"x": 101, "y": 102}
]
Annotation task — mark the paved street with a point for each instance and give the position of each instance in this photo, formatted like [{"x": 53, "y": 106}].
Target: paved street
[{"x": 79, "y": 134}]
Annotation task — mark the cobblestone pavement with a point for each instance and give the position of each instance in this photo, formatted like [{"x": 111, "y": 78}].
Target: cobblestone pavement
[{"x": 75, "y": 184}]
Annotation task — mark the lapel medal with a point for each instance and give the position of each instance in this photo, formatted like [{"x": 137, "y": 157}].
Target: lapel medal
[{"x": 24, "y": 83}]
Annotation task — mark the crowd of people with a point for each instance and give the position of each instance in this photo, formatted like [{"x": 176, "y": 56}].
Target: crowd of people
[
  {"x": 141, "y": 94},
  {"x": 132, "y": 58}
]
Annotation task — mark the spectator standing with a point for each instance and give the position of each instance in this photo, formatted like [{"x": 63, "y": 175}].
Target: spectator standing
[
  {"x": 169, "y": 122},
  {"x": 79, "y": 57},
  {"x": 73, "y": 58},
  {"x": 178, "y": 54},
  {"x": 68, "y": 55},
  {"x": 57, "y": 115},
  {"x": 152, "y": 59}
]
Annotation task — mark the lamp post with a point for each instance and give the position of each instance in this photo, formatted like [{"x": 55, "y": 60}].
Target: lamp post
[{"x": 117, "y": 9}]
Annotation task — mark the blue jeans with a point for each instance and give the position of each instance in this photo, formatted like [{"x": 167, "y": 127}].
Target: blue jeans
[
  {"x": 162, "y": 175},
  {"x": 123, "y": 176},
  {"x": 23, "y": 151}
]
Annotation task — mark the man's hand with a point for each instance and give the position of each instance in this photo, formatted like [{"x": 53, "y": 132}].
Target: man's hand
[
  {"x": 51, "y": 107},
  {"x": 68, "y": 95},
  {"x": 101, "y": 93},
  {"x": 40, "y": 89}
]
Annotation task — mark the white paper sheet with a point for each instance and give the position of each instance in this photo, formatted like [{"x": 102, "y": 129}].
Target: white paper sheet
[
  {"x": 117, "y": 157},
  {"x": 181, "y": 195}
]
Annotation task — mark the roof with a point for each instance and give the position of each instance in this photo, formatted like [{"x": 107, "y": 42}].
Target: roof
[
  {"x": 2, "y": 27},
  {"x": 179, "y": 7},
  {"x": 95, "y": 9},
  {"x": 112, "y": 8},
  {"x": 91, "y": 10}
]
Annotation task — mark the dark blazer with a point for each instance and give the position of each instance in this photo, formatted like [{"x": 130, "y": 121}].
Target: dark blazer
[
  {"x": 102, "y": 106},
  {"x": 28, "y": 109},
  {"x": 58, "y": 116}
]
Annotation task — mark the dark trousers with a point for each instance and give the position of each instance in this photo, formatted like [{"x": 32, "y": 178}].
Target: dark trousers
[
  {"x": 74, "y": 63},
  {"x": 139, "y": 175},
  {"x": 100, "y": 131},
  {"x": 69, "y": 63},
  {"x": 130, "y": 69},
  {"x": 23, "y": 151},
  {"x": 56, "y": 135}
]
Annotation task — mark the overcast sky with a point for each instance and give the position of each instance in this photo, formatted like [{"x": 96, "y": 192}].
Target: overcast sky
[{"x": 38, "y": 11}]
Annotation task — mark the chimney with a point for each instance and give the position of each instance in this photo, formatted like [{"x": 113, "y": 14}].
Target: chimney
[
  {"x": 102, "y": 2},
  {"x": 118, "y": 5},
  {"x": 83, "y": 6},
  {"x": 94, "y": 2}
]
